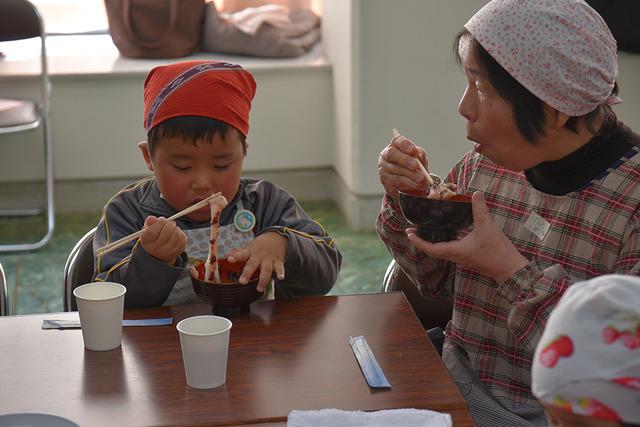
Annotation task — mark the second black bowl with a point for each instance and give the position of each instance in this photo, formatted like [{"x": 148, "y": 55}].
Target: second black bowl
[{"x": 436, "y": 220}]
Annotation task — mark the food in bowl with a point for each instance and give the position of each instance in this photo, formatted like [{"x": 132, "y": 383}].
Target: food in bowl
[
  {"x": 228, "y": 272},
  {"x": 441, "y": 190},
  {"x": 216, "y": 281},
  {"x": 211, "y": 269}
]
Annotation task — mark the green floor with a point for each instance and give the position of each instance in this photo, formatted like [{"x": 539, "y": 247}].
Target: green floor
[{"x": 34, "y": 279}]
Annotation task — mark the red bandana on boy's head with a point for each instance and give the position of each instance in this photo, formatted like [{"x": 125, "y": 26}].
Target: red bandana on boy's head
[{"x": 218, "y": 90}]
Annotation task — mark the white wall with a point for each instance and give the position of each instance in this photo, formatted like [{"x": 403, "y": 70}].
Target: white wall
[
  {"x": 96, "y": 109},
  {"x": 629, "y": 80},
  {"x": 408, "y": 80},
  {"x": 337, "y": 28},
  {"x": 390, "y": 65}
]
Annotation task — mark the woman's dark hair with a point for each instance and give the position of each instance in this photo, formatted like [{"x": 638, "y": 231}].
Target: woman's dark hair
[
  {"x": 527, "y": 108},
  {"x": 194, "y": 129}
]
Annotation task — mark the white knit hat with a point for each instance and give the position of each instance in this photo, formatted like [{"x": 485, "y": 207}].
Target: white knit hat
[{"x": 588, "y": 359}]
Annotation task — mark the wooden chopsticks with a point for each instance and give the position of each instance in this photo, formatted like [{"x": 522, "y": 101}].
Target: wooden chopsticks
[{"x": 126, "y": 239}]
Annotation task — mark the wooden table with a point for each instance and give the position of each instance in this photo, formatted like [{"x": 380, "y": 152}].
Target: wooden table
[{"x": 285, "y": 355}]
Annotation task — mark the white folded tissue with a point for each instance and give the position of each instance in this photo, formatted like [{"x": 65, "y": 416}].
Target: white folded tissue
[{"x": 384, "y": 418}]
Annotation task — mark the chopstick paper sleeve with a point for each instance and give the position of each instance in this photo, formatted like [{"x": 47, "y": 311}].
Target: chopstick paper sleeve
[
  {"x": 368, "y": 363},
  {"x": 75, "y": 324}
]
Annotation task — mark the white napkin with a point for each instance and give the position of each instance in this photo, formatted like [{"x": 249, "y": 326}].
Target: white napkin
[{"x": 385, "y": 418}]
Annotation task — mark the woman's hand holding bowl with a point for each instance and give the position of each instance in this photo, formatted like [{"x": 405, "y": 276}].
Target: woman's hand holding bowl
[{"x": 485, "y": 249}]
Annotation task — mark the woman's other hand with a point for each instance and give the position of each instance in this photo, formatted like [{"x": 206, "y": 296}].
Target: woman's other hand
[
  {"x": 398, "y": 166},
  {"x": 486, "y": 249}
]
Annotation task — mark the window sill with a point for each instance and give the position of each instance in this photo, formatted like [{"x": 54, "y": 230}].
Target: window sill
[{"x": 95, "y": 55}]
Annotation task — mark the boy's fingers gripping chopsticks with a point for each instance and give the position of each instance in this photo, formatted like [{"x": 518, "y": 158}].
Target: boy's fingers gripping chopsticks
[
  {"x": 152, "y": 229},
  {"x": 123, "y": 241}
]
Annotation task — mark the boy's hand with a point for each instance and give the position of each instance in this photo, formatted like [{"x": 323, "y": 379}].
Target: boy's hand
[
  {"x": 265, "y": 252},
  {"x": 163, "y": 239}
]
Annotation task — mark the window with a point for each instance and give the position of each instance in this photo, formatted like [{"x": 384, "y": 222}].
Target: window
[{"x": 72, "y": 16}]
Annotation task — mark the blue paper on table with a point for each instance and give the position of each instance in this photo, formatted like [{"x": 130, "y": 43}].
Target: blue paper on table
[
  {"x": 75, "y": 324},
  {"x": 368, "y": 363}
]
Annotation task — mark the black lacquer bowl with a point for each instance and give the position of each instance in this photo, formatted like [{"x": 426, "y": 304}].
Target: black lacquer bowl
[
  {"x": 228, "y": 299},
  {"x": 436, "y": 220}
]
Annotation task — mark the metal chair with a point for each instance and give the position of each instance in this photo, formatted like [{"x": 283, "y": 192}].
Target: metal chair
[
  {"x": 78, "y": 269},
  {"x": 4, "y": 303},
  {"x": 19, "y": 20},
  {"x": 431, "y": 312}
]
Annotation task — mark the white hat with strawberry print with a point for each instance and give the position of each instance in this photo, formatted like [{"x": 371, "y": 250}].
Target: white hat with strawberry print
[
  {"x": 560, "y": 50},
  {"x": 588, "y": 359}
]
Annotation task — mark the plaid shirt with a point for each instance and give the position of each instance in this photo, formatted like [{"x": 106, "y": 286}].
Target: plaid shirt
[{"x": 594, "y": 231}]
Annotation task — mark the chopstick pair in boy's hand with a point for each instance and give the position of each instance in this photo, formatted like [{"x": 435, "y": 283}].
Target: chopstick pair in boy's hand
[{"x": 125, "y": 240}]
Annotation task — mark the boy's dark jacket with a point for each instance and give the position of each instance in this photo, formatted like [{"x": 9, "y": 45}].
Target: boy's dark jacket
[{"x": 311, "y": 265}]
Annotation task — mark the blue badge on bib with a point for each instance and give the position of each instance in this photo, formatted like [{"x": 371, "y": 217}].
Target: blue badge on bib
[{"x": 244, "y": 220}]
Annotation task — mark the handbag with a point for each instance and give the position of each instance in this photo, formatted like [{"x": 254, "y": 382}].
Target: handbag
[{"x": 155, "y": 28}]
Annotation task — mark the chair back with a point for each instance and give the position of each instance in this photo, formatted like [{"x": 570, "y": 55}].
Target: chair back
[
  {"x": 4, "y": 306},
  {"x": 19, "y": 19},
  {"x": 78, "y": 269},
  {"x": 431, "y": 312}
]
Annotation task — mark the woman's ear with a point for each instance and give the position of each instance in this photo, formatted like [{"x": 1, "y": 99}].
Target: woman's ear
[
  {"x": 144, "y": 147},
  {"x": 555, "y": 119}
]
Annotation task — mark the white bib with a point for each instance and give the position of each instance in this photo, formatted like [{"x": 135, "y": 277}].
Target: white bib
[{"x": 198, "y": 242}]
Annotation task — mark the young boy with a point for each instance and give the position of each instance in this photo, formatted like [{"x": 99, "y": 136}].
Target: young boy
[
  {"x": 586, "y": 370},
  {"x": 196, "y": 115}
]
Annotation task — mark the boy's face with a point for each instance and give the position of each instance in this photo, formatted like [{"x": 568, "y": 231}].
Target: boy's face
[{"x": 187, "y": 173}]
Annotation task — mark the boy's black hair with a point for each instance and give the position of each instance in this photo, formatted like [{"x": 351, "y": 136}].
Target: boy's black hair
[
  {"x": 527, "y": 108},
  {"x": 194, "y": 129}
]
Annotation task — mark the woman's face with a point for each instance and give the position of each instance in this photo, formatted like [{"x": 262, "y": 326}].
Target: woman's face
[{"x": 491, "y": 123}]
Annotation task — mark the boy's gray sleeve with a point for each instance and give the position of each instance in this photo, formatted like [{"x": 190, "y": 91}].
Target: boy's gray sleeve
[
  {"x": 313, "y": 260},
  {"x": 148, "y": 280}
]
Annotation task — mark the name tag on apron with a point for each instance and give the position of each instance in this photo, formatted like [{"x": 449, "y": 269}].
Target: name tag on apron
[{"x": 537, "y": 225}]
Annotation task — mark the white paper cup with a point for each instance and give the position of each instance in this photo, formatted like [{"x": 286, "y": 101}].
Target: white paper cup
[
  {"x": 100, "y": 306},
  {"x": 205, "y": 345}
]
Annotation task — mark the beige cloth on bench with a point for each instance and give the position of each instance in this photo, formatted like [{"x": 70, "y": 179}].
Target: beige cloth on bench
[{"x": 287, "y": 39}]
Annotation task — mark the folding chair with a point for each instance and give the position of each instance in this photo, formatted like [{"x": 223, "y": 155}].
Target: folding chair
[
  {"x": 4, "y": 306},
  {"x": 19, "y": 20},
  {"x": 78, "y": 269},
  {"x": 431, "y": 312}
]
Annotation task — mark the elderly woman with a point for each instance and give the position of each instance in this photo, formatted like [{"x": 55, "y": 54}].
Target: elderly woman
[{"x": 555, "y": 179}]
